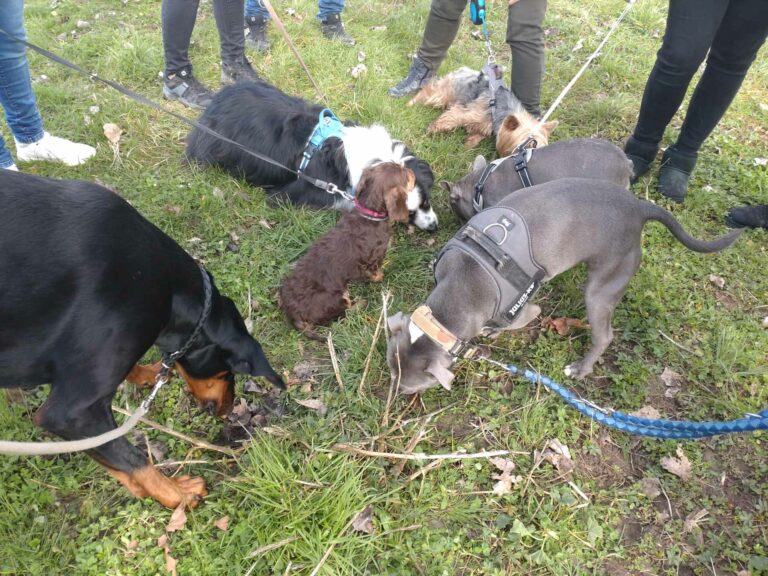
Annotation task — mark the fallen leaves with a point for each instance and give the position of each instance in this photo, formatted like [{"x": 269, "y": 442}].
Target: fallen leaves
[
  {"x": 673, "y": 382},
  {"x": 650, "y": 487},
  {"x": 313, "y": 404},
  {"x": 222, "y": 523},
  {"x": 363, "y": 522},
  {"x": 716, "y": 280},
  {"x": 113, "y": 132},
  {"x": 358, "y": 70},
  {"x": 680, "y": 466},
  {"x": 562, "y": 325},
  {"x": 505, "y": 479},
  {"x": 170, "y": 561},
  {"x": 557, "y": 454},
  {"x": 646, "y": 412},
  {"x": 178, "y": 519}
]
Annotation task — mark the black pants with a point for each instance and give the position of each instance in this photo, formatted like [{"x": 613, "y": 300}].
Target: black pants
[
  {"x": 178, "y": 17},
  {"x": 732, "y": 31}
]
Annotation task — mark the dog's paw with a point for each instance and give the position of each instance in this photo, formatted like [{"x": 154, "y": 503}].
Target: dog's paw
[
  {"x": 191, "y": 489},
  {"x": 577, "y": 371}
]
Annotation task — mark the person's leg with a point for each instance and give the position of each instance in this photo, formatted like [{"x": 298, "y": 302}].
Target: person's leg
[
  {"x": 178, "y": 20},
  {"x": 329, "y": 15},
  {"x": 741, "y": 33},
  {"x": 229, "y": 21},
  {"x": 256, "y": 18},
  {"x": 442, "y": 26},
  {"x": 18, "y": 101},
  {"x": 691, "y": 28},
  {"x": 525, "y": 37}
]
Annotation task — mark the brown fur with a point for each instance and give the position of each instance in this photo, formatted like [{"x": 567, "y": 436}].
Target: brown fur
[
  {"x": 315, "y": 291},
  {"x": 475, "y": 118}
]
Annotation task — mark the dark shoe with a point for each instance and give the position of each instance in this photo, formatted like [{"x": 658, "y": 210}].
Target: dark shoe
[
  {"x": 752, "y": 216},
  {"x": 256, "y": 38},
  {"x": 242, "y": 71},
  {"x": 641, "y": 155},
  {"x": 675, "y": 171},
  {"x": 333, "y": 29},
  {"x": 185, "y": 88},
  {"x": 417, "y": 77}
]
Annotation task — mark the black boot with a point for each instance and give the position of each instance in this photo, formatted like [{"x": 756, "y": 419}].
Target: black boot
[
  {"x": 333, "y": 29},
  {"x": 752, "y": 216},
  {"x": 257, "y": 33},
  {"x": 417, "y": 77},
  {"x": 675, "y": 171},
  {"x": 641, "y": 155}
]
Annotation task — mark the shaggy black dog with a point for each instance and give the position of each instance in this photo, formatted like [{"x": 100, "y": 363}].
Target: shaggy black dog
[{"x": 277, "y": 125}]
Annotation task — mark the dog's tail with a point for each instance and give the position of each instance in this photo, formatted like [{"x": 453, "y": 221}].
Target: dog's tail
[{"x": 653, "y": 212}]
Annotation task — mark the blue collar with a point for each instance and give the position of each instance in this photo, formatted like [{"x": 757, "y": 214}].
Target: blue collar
[{"x": 327, "y": 126}]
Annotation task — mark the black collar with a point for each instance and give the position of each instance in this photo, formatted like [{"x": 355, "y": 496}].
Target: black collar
[{"x": 170, "y": 359}]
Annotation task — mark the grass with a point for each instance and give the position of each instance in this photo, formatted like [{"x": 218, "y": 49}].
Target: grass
[{"x": 66, "y": 516}]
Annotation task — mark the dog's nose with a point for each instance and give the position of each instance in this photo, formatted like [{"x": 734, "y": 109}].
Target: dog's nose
[{"x": 210, "y": 407}]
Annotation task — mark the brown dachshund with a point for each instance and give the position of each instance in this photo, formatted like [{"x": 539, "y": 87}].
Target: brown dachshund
[{"x": 315, "y": 291}]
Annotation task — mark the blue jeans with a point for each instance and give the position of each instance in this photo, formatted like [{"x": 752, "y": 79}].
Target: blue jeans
[
  {"x": 16, "y": 95},
  {"x": 326, "y": 7}
]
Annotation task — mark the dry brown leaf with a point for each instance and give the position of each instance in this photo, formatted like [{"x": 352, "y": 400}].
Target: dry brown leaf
[
  {"x": 363, "y": 522},
  {"x": 378, "y": 28},
  {"x": 178, "y": 519},
  {"x": 170, "y": 561},
  {"x": 646, "y": 412},
  {"x": 680, "y": 466},
  {"x": 672, "y": 380},
  {"x": 505, "y": 479},
  {"x": 175, "y": 210},
  {"x": 562, "y": 325},
  {"x": 240, "y": 412},
  {"x": 222, "y": 523},
  {"x": 651, "y": 487},
  {"x": 718, "y": 281},
  {"x": 265, "y": 224},
  {"x": 557, "y": 454},
  {"x": 358, "y": 70},
  {"x": 693, "y": 520},
  {"x": 113, "y": 133},
  {"x": 313, "y": 404}
]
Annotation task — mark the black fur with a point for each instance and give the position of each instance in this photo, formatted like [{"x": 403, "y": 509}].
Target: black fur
[
  {"x": 274, "y": 124},
  {"x": 87, "y": 286}
]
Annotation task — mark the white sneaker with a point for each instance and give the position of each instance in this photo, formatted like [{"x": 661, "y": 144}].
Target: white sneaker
[
  {"x": 12, "y": 168},
  {"x": 55, "y": 149}
]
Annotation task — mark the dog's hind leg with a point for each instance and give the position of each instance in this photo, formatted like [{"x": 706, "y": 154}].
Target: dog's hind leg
[
  {"x": 77, "y": 409},
  {"x": 604, "y": 289},
  {"x": 454, "y": 117}
]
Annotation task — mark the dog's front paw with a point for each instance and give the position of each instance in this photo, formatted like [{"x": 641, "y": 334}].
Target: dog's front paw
[
  {"x": 577, "y": 370},
  {"x": 376, "y": 275}
]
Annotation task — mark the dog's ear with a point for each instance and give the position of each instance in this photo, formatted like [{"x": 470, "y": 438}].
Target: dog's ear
[
  {"x": 549, "y": 127},
  {"x": 245, "y": 356},
  {"x": 396, "y": 201},
  {"x": 441, "y": 373},
  {"x": 510, "y": 123},
  {"x": 479, "y": 163},
  {"x": 445, "y": 185},
  {"x": 397, "y": 323}
]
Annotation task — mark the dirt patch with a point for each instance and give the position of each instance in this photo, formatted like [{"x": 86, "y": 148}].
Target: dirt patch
[{"x": 608, "y": 468}]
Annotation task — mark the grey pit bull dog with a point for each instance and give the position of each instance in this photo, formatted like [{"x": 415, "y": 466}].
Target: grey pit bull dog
[
  {"x": 577, "y": 158},
  {"x": 569, "y": 222}
]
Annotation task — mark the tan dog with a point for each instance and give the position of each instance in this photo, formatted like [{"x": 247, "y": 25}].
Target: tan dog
[{"x": 466, "y": 98}]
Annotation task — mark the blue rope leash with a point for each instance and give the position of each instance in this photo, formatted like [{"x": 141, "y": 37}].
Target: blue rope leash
[{"x": 654, "y": 428}]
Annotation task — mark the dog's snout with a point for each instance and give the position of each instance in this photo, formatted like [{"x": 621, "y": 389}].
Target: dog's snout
[{"x": 210, "y": 407}]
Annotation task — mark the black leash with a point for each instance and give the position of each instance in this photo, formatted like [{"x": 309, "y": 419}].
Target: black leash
[{"x": 329, "y": 187}]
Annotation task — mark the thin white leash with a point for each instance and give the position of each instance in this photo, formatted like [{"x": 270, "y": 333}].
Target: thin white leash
[
  {"x": 592, "y": 56},
  {"x": 63, "y": 447}
]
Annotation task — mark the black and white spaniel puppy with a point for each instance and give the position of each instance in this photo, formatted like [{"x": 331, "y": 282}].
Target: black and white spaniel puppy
[{"x": 266, "y": 120}]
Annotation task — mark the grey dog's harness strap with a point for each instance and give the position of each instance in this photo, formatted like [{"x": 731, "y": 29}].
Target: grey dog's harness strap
[
  {"x": 498, "y": 239},
  {"x": 521, "y": 160}
]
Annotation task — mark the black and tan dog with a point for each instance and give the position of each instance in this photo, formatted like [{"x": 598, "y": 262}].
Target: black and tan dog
[{"x": 87, "y": 286}]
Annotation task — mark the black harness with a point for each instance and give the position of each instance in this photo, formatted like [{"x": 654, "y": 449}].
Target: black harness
[
  {"x": 521, "y": 158},
  {"x": 498, "y": 239}
]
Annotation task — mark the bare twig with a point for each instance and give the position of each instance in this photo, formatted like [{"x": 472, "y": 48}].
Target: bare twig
[
  {"x": 194, "y": 441},
  {"x": 417, "y": 437},
  {"x": 376, "y": 332},
  {"x": 274, "y": 546},
  {"x": 424, "y": 469},
  {"x": 420, "y": 455},
  {"x": 676, "y": 344},
  {"x": 334, "y": 360}
]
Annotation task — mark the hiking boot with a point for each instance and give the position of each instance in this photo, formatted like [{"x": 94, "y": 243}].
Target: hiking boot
[
  {"x": 333, "y": 29},
  {"x": 641, "y": 154},
  {"x": 752, "y": 216},
  {"x": 242, "y": 71},
  {"x": 54, "y": 149},
  {"x": 185, "y": 88},
  {"x": 675, "y": 171},
  {"x": 417, "y": 77},
  {"x": 256, "y": 33}
]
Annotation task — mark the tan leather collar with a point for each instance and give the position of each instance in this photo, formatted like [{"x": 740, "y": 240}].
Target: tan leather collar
[{"x": 425, "y": 322}]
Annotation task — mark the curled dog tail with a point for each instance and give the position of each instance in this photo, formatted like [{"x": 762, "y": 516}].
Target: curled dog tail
[{"x": 653, "y": 212}]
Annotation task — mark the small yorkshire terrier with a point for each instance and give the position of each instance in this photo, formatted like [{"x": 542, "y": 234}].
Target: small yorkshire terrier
[
  {"x": 466, "y": 97},
  {"x": 315, "y": 293}
]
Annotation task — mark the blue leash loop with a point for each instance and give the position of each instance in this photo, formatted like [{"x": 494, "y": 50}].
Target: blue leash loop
[{"x": 651, "y": 427}]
